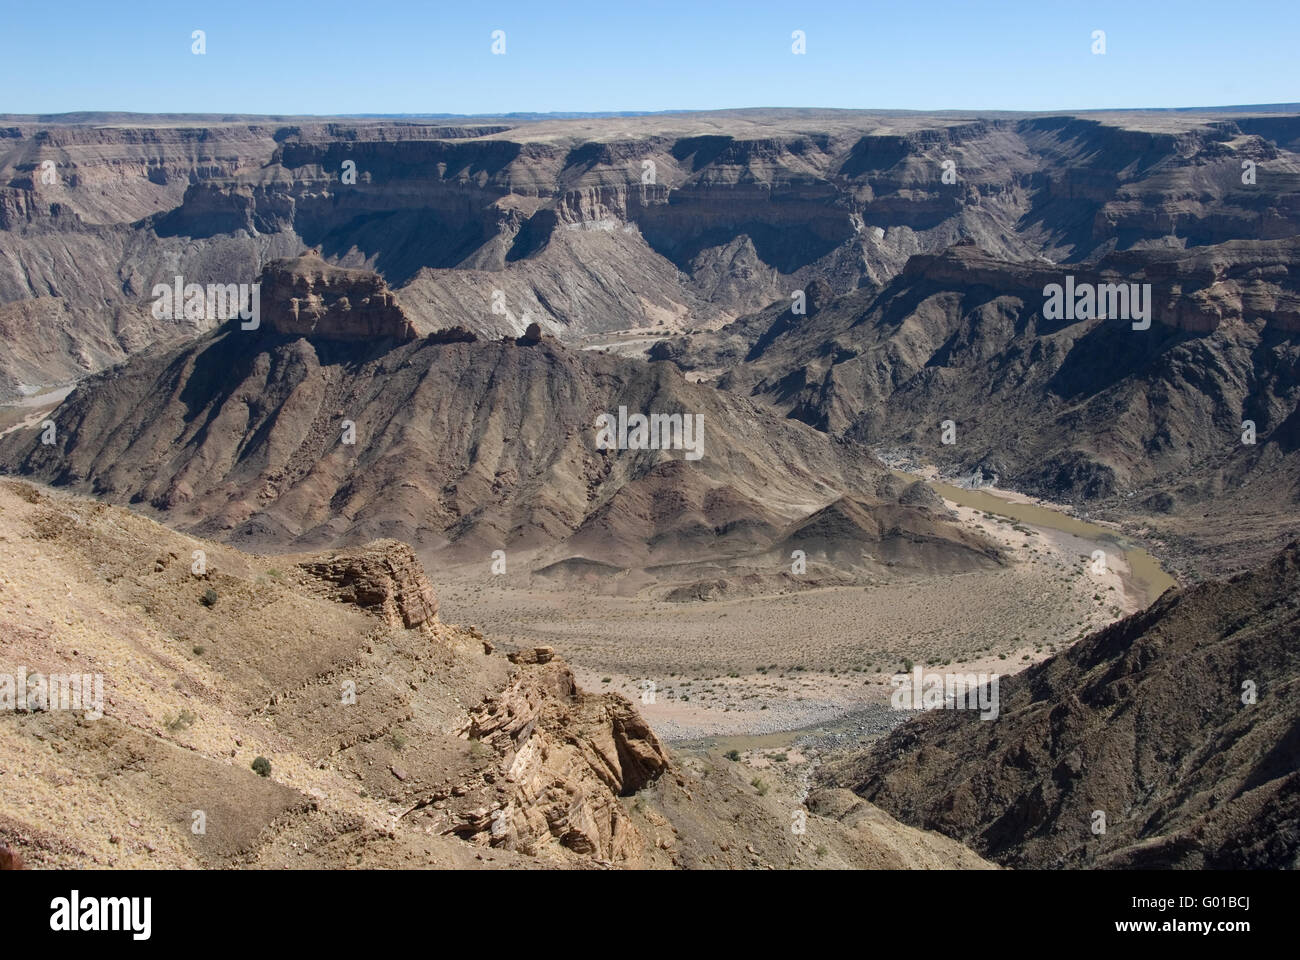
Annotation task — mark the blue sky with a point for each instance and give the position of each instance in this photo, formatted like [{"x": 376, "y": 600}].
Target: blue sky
[{"x": 332, "y": 57}]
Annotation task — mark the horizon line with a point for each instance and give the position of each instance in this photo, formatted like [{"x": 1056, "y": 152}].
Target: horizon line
[{"x": 1280, "y": 107}]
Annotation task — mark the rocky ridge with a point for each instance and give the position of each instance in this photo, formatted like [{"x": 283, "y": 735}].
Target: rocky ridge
[
  {"x": 1086, "y": 410},
  {"x": 280, "y": 439},
  {"x": 1177, "y": 725},
  {"x": 386, "y": 746}
]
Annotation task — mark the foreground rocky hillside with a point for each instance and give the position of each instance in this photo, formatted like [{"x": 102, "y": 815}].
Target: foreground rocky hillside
[
  {"x": 653, "y": 224},
  {"x": 1174, "y": 729},
  {"x": 312, "y": 711},
  {"x": 334, "y": 423}
]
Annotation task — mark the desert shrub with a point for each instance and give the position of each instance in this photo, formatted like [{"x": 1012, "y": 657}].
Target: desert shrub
[
  {"x": 209, "y": 598},
  {"x": 262, "y": 766},
  {"x": 732, "y": 754}
]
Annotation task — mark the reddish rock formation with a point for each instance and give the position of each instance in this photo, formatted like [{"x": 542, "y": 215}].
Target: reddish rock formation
[
  {"x": 568, "y": 756},
  {"x": 308, "y": 297},
  {"x": 383, "y": 577}
]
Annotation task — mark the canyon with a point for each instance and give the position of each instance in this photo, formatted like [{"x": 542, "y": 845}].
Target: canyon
[
  {"x": 670, "y": 643},
  {"x": 554, "y": 218}
]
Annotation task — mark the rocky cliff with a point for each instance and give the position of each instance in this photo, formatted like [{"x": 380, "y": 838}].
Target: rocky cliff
[
  {"x": 569, "y": 757},
  {"x": 307, "y": 297},
  {"x": 383, "y": 577},
  {"x": 1084, "y": 409},
  {"x": 657, "y": 224}
]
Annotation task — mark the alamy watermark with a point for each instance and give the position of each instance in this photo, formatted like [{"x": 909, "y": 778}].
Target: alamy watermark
[
  {"x": 1098, "y": 301},
  {"x": 216, "y": 301},
  {"x": 946, "y": 691},
  {"x": 55, "y": 691},
  {"x": 657, "y": 431},
  {"x": 75, "y": 913}
]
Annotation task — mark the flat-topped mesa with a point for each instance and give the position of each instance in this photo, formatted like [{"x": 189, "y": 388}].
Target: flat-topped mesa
[
  {"x": 967, "y": 264},
  {"x": 1194, "y": 289},
  {"x": 305, "y": 296}
]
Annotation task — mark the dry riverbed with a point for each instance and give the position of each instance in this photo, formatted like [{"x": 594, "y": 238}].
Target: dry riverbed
[{"x": 769, "y": 665}]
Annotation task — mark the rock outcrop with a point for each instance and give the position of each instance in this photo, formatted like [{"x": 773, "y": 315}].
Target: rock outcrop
[
  {"x": 568, "y": 757},
  {"x": 383, "y": 577},
  {"x": 308, "y": 297},
  {"x": 531, "y": 336}
]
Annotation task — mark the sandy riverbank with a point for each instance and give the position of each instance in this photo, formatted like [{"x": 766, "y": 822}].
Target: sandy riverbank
[{"x": 764, "y": 665}]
